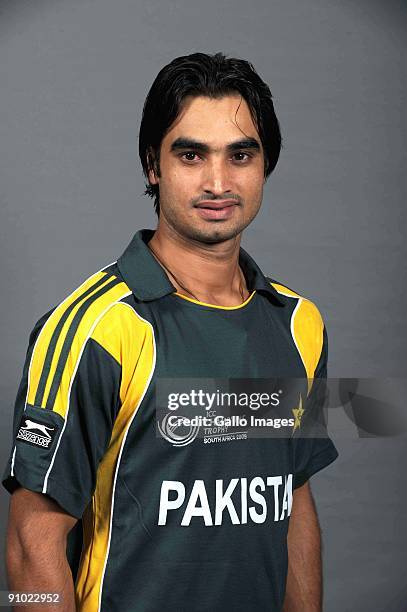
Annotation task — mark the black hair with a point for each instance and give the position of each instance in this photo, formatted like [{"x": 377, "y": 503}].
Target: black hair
[{"x": 214, "y": 76}]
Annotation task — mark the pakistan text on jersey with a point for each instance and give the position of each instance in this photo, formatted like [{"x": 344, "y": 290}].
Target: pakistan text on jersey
[{"x": 264, "y": 492}]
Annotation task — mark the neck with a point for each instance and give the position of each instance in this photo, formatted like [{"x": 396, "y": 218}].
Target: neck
[{"x": 208, "y": 271}]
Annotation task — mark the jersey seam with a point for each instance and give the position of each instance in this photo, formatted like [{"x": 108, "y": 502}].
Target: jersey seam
[
  {"x": 213, "y": 308},
  {"x": 106, "y": 351}
]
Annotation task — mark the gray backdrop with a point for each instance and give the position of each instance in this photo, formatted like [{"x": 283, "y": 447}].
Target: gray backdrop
[{"x": 74, "y": 75}]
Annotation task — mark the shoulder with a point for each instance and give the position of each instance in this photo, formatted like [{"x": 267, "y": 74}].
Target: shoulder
[
  {"x": 306, "y": 326},
  {"x": 94, "y": 329},
  {"x": 299, "y": 303},
  {"x": 98, "y": 308},
  {"x": 89, "y": 301}
]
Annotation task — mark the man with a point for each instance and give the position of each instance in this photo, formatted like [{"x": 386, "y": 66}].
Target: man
[{"x": 168, "y": 522}]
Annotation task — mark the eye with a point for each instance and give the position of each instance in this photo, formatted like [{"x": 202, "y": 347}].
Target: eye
[
  {"x": 243, "y": 157},
  {"x": 188, "y": 156}
]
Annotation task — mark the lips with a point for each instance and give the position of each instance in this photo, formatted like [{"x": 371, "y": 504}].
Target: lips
[
  {"x": 216, "y": 205},
  {"x": 219, "y": 210}
]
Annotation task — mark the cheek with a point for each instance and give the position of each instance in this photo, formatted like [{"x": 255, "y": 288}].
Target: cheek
[
  {"x": 176, "y": 189},
  {"x": 182, "y": 183},
  {"x": 250, "y": 183}
]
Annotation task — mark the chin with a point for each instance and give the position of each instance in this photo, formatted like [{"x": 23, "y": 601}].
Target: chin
[{"x": 214, "y": 233}]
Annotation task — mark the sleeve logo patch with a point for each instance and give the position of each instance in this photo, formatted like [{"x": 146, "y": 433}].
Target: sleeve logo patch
[{"x": 36, "y": 432}]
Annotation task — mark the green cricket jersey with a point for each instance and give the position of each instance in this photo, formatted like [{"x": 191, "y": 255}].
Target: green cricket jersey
[{"x": 188, "y": 526}]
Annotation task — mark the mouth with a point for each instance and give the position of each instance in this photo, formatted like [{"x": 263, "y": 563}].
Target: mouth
[
  {"x": 216, "y": 205},
  {"x": 217, "y": 210}
]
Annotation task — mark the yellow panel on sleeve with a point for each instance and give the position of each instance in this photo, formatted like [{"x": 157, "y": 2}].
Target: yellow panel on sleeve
[
  {"x": 119, "y": 333},
  {"x": 133, "y": 344},
  {"x": 306, "y": 329}
]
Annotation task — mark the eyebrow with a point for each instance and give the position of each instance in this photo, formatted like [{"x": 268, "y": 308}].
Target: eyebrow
[{"x": 188, "y": 143}]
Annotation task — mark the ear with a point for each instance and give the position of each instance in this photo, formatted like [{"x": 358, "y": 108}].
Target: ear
[
  {"x": 152, "y": 179},
  {"x": 152, "y": 172}
]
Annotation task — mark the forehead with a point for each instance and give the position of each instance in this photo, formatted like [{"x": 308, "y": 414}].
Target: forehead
[{"x": 213, "y": 119}]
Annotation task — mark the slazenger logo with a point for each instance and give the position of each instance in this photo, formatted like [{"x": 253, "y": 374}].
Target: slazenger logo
[{"x": 29, "y": 433}]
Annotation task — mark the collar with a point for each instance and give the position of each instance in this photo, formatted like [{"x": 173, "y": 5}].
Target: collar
[{"x": 149, "y": 281}]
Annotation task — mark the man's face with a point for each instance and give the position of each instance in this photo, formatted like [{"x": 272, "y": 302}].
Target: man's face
[{"x": 212, "y": 169}]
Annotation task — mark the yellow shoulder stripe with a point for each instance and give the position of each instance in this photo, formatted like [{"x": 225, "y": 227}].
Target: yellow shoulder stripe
[
  {"x": 284, "y": 290},
  {"x": 62, "y": 338},
  {"x": 89, "y": 320},
  {"x": 306, "y": 329}
]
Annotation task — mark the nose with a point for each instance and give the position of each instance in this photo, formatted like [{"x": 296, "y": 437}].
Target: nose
[{"x": 216, "y": 179}]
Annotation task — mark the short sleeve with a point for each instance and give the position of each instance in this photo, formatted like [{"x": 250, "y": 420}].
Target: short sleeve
[
  {"x": 312, "y": 454},
  {"x": 64, "y": 412}
]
